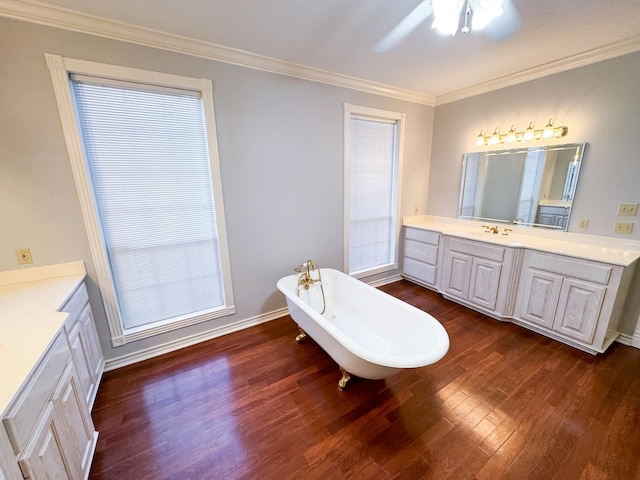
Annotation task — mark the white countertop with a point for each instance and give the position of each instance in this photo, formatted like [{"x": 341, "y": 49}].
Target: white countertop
[
  {"x": 590, "y": 247},
  {"x": 29, "y": 319}
]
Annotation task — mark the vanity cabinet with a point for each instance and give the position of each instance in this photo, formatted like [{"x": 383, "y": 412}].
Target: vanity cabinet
[
  {"x": 553, "y": 215},
  {"x": 48, "y": 424},
  {"x": 50, "y": 374},
  {"x": 84, "y": 343},
  {"x": 478, "y": 273},
  {"x": 571, "y": 291},
  {"x": 574, "y": 299},
  {"x": 421, "y": 256}
]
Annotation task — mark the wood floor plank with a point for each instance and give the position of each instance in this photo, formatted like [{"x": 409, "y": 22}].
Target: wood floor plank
[{"x": 504, "y": 403}]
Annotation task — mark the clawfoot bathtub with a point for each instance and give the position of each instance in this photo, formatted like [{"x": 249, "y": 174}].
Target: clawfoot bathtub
[{"x": 367, "y": 332}]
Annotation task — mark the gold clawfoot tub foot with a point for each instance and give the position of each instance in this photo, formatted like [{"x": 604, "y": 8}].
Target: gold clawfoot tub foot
[
  {"x": 346, "y": 376},
  {"x": 301, "y": 336}
]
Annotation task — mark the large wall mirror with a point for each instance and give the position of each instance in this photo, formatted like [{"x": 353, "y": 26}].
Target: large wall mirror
[{"x": 526, "y": 186}]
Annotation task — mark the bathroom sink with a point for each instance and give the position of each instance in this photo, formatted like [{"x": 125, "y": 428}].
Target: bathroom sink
[{"x": 494, "y": 237}]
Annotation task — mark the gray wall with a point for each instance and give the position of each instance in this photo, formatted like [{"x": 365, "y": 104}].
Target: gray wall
[
  {"x": 599, "y": 103},
  {"x": 281, "y": 153}
]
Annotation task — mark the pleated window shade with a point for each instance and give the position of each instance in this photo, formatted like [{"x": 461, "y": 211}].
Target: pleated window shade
[
  {"x": 372, "y": 165},
  {"x": 149, "y": 163}
]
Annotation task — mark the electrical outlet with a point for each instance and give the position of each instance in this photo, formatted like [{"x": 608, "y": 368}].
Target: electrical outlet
[
  {"x": 583, "y": 224},
  {"x": 24, "y": 256},
  {"x": 627, "y": 209},
  {"x": 623, "y": 227}
]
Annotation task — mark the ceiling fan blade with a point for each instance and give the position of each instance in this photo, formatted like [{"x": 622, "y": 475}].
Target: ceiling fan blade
[
  {"x": 405, "y": 27},
  {"x": 506, "y": 25}
]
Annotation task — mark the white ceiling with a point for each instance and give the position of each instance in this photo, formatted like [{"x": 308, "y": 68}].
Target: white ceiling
[{"x": 339, "y": 36}]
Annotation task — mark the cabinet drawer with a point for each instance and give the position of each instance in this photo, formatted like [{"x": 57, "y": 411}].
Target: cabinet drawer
[
  {"x": 76, "y": 303},
  {"x": 420, "y": 271},
  {"x": 574, "y": 268},
  {"x": 26, "y": 408},
  {"x": 477, "y": 249},
  {"x": 421, "y": 251},
  {"x": 424, "y": 236}
]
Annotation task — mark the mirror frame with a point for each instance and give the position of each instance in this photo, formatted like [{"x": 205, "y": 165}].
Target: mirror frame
[{"x": 580, "y": 149}]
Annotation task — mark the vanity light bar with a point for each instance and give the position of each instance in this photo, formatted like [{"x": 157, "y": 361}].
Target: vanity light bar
[{"x": 549, "y": 131}]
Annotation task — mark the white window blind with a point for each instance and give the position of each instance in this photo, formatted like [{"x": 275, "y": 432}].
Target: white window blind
[
  {"x": 149, "y": 165},
  {"x": 372, "y": 193}
]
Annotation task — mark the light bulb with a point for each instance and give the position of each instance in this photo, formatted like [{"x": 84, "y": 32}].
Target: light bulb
[
  {"x": 511, "y": 136},
  {"x": 484, "y": 11},
  {"x": 495, "y": 137},
  {"x": 548, "y": 130},
  {"x": 446, "y": 15},
  {"x": 528, "y": 133},
  {"x": 480, "y": 141}
]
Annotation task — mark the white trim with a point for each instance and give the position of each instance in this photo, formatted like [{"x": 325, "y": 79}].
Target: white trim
[
  {"x": 589, "y": 57},
  {"x": 60, "y": 68},
  {"x": 385, "y": 281},
  {"x": 66, "y": 19},
  {"x": 399, "y": 118},
  {"x": 183, "y": 342},
  {"x": 630, "y": 340}
]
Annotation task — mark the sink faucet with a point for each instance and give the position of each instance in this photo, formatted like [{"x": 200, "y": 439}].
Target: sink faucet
[{"x": 494, "y": 230}]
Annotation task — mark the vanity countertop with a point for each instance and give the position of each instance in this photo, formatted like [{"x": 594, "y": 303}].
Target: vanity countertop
[
  {"x": 30, "y": 320},
  {"x": 589, "y": 247}
]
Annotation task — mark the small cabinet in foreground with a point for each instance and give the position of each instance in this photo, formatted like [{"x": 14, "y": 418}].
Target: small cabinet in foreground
[
  {"x": 421, "y": 256},
  {"x": 575, "y": 300}
]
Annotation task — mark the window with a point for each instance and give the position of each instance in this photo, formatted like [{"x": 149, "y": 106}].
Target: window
[
  {"x": 144, "y": 154},
  {"x": 373, "y": 162}
]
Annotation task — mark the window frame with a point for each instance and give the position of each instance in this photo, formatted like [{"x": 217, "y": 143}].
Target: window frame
[
  {"x": 60, "y": 69},
  {"x": 374, "y": 114}
]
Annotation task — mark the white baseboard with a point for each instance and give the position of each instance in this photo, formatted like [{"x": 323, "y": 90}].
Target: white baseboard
[
  {"x": 385, "y": 281},
  {"x": 172, "y": 346},
  {"x": 631, "y": 340}
]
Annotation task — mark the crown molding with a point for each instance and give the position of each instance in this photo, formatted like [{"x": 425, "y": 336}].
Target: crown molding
[
  {"x": 66, "y": 19},
  {"x": 612, "y": 50}
]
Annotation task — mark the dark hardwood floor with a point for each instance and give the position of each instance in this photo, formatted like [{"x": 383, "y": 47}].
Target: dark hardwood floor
[{"x": 504, "y": 403}]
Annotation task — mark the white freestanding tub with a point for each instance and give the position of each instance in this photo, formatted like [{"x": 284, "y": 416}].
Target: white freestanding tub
[{"x": 366, "y": 331}]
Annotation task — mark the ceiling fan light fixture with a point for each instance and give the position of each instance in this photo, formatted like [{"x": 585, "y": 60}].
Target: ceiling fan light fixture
[
  {"x": 484, "y": 11},
  {"x": 446, "y": 15}
]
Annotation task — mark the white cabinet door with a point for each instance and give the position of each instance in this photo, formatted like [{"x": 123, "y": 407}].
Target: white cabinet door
[
  {"x": 457, "y": 274},
  {"x": 578, "y": 309},
  {"x": 44, "y": 455},
  {"x": 91, "y": 353},
  {"x": 62, "y": 443},
  {"x": 538, "y": 297},
  {"x": 484, "y": 282}
]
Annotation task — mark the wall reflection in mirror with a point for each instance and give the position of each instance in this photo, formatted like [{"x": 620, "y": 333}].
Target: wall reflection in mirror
[{"x": 525, "y": 186}]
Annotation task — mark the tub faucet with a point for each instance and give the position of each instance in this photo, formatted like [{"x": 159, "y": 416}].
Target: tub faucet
[{"x": 305, "y": 280}]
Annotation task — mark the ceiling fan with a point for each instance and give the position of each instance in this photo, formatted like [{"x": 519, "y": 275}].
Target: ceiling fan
[{"x": 499, "y": 18}]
